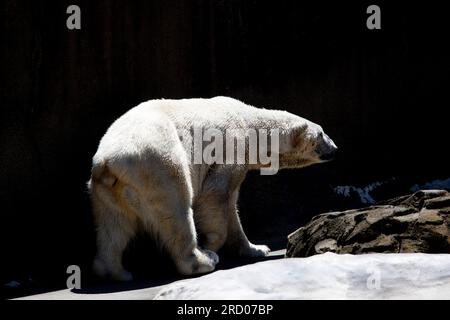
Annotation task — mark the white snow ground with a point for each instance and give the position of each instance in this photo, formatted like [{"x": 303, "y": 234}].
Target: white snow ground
[
  {"x": 363, "y": 193},
  {"x": 365, "y": 196},
  {"x": 435, "y": 184},
  {"x": 326, "y": 276}
]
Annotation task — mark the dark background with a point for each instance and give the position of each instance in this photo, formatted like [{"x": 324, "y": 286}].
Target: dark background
[{"x": 382, "y": 95}]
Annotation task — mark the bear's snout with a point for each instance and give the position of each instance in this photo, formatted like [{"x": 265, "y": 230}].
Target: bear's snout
[{"x": 326, "y": 149}]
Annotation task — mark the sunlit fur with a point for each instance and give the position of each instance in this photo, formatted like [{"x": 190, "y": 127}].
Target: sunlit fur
[{"x": 141, "y": 176}]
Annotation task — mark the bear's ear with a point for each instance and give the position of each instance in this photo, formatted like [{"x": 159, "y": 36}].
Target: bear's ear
[{"x": 298, "y": 135}]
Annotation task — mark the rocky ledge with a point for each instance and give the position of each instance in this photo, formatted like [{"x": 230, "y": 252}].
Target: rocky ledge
[{"x": 414, "y": 223}]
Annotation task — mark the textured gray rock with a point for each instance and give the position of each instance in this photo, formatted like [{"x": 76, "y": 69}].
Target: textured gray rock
[{"x": 414, "y": 223}]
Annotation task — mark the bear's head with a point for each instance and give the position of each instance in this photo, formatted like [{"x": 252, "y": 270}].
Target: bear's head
[{"x": 307, "y": 144}]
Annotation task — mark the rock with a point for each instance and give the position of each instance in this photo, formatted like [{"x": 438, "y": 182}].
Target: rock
[{"x": 414, "y": 223}]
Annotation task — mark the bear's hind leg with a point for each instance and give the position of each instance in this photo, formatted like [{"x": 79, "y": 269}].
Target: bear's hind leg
[{"x": 115, "y": 228}]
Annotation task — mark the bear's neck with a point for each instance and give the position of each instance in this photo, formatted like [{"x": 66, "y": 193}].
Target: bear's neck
[
  {"x": 285, "y": 122},
  {"x": 272, "y": 119}
]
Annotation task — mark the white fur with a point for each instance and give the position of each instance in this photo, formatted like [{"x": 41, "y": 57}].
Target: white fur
[{"x": 141, "y": 176}]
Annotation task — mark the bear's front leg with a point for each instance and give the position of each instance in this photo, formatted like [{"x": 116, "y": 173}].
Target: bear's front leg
[
  {"x": 211, "y": 220},
  {"x": 237, "y": 239},
  {"x": 216, "y": 213},
  {"x": 211, "y": 205}
]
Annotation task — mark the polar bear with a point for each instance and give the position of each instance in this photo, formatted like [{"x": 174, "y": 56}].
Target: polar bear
[{"x": 143, "y": 176}]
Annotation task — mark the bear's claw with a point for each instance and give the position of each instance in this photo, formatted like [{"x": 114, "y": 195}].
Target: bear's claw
[{"x": 255, "y": 250}]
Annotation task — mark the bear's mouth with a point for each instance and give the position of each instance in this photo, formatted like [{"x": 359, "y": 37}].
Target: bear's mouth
[{"x": 325, "y": 157}]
